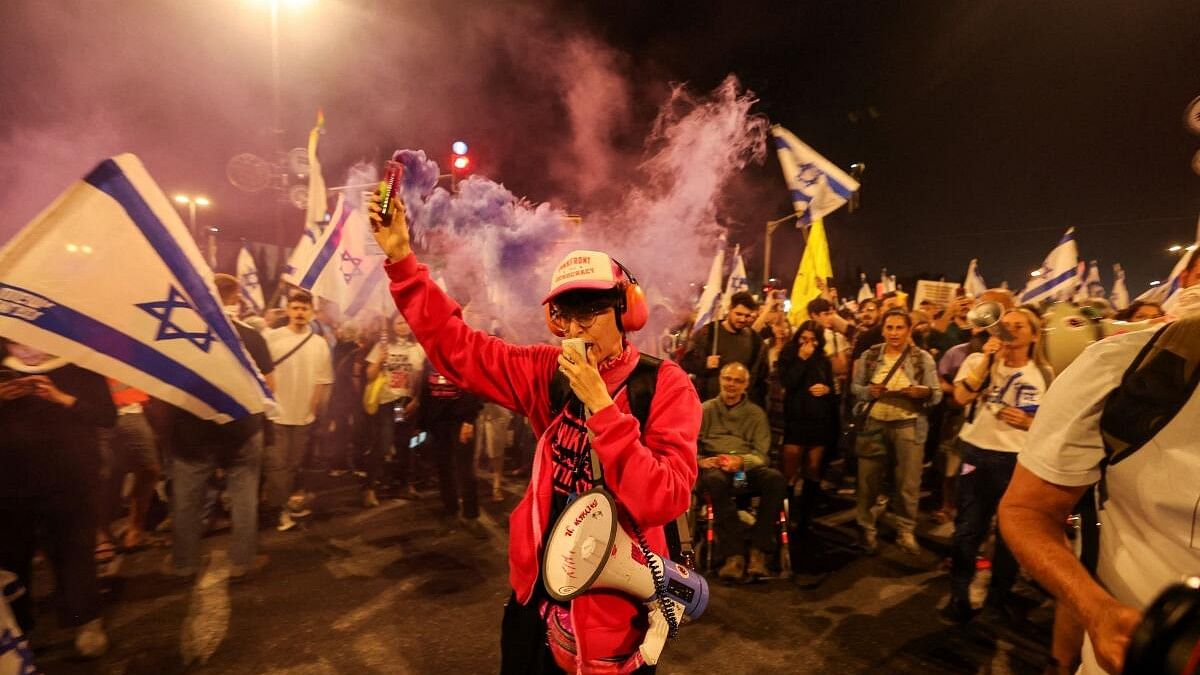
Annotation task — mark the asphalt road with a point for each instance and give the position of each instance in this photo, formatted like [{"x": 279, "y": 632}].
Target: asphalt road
[{"x": 389, "y": 590}]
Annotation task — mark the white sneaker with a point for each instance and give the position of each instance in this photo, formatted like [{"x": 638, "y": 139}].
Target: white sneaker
[
  {"x": 90, "y": 640},
  {"x": 285, "y": 521},
  {"x": 908, "y": 543}
]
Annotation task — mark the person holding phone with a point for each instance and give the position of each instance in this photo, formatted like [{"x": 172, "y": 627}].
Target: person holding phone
[{"x": 1002, "y": 387}]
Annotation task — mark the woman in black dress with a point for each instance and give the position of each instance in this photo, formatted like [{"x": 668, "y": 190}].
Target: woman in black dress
[{"x": 810, "y": 412}]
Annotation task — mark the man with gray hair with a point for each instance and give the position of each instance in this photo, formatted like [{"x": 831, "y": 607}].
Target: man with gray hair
[{"x": 734, "y": 439}]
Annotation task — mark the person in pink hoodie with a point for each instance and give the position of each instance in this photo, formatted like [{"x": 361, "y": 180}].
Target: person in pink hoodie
[{"x": 649, "y": 471}]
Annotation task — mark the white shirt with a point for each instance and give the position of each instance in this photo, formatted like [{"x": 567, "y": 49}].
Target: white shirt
[
  {"x": 1149, "y": 536},
  {"x": 403, "y": 365},
  {"x": 299, "y": 375},
  {"x": 1009, "y": 387}
]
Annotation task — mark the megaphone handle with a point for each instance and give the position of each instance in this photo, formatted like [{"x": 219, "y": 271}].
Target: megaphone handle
[{"x": 656, "y": 634}]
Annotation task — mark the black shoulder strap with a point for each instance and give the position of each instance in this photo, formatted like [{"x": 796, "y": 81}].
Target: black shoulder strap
[{"x": 294, "y": 349}]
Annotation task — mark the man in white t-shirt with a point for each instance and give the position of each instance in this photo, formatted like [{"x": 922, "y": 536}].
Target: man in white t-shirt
[
  {"x": 1148, "y": 535},
  {"x": 1001, "y": 387},
  {"x": 303, "y": 375}
]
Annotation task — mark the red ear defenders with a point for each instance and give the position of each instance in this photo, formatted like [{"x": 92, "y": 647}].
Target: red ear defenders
[{"x": 632, "y": 310}]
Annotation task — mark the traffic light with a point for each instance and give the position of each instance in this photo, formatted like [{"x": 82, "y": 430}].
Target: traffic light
[{"x": 460, "y": 161}]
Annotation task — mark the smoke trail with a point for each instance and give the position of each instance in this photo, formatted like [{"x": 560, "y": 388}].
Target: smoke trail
[{"x": 665, "y": 229}]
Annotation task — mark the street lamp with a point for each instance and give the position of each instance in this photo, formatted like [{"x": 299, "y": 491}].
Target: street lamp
[
  {"x": 772, "y": 225},
  {"x": 192, "y": 202}
]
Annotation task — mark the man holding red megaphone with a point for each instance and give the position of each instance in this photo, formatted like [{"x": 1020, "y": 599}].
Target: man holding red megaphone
[{"x": 649, "y": 471}]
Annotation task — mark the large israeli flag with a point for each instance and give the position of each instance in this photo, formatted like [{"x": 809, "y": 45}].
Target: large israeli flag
[
  {"x": 1166, "y": 293},
  {"x": 109, "y": 278},
  {"x": 338, "y": 267},
  {"x": 710, "y": 299},
  {"x": 973, "y": 284},
  {"x": 247, "y": 274},
  {"x": 1059, "y": 277},
  {"x": 817, "y": 185}
]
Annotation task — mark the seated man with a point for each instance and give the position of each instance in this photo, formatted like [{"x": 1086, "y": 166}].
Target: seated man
[{"x": 734, "y": 438}]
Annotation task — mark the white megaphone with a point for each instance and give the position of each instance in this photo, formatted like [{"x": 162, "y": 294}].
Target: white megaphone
[
  {"x": 987, "y": 315},
  {"x": 589, "y": 550},
  {"x": 1068, "y": 329}
]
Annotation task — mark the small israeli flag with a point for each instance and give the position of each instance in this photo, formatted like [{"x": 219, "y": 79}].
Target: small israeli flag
[
  {"x": 737, "y": 281},
  {"x": 817, "y": 185},
  {"x": 1120, "y": 293},
  {"x": 710, "y": 299},
  {"x": 974, "y": 284},
  {"x": 247, "y": 274},
  {"x": 864, "y": 290},
  {"x": 109, "y": 278},
  {"x": 1058, "y": 277}
]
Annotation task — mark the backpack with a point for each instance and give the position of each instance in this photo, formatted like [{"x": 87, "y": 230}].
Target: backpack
[
  {"x": 639, "y": 391},
  {"x": 1154, "y": 388}
]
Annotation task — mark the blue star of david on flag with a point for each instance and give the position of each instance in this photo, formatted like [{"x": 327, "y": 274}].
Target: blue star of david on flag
[
  {"x": 809, "y": 174},
  {"x": 168, "y": 329},
  {"x": 351, "y": 266},
  {"x": 250, "y": 280},
  {"x": 311, "y": 233}
]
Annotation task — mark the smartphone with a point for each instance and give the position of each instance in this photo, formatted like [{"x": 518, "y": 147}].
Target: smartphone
[{"x": 393, "y": 173}]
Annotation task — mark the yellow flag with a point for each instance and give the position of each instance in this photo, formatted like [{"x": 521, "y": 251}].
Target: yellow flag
[{"x": 815, "y": 269}]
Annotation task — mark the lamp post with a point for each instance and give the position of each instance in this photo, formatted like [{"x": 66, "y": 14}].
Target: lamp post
[
  {"x": 773, "y": 225},
  {"x": 192, "y": 202}
]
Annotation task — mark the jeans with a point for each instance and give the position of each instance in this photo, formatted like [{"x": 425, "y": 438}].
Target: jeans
[
  {"x": 884, "y": 445},
  {"x": 985, "y": 477},
  {"x": 769, "y": 484},
  {"x": 456, "y": 468},
  {"x": 190, "y": 478},
  {"x": 281, "y": 462},
  {"x": 381, "y": 434}
]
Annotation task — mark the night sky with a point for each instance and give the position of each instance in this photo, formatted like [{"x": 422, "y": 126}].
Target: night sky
[{"x": 987, "y": 127}]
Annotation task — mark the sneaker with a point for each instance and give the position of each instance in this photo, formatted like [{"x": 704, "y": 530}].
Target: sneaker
[
  {"x": 237, "y": 571},
  {"x": 370, "y": 501},
  {"x": 869, "y": 542},
  {"x": 473, "y": 527},
  {"x": 168, "y": 568},
  {"x": 285, "y": 522},
  {"x": 757, "y": 568},
  {"x": 90, "y": 639},
  {"x": 733, "y": 569},
  {"x": 908, "y": 543},
  {"x": 958, "y": 609}
]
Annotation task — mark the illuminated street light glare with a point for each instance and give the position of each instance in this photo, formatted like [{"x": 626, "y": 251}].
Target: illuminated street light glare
[
  {"x": 1035, "y": 273},
  {"x": 182, "y": 199},
  {"x": 202, "y": 201},
  {"x": 1176, "y": 248},
  {"x": 1155, "y": 283},
  {"x": 1191, "y": 248}
]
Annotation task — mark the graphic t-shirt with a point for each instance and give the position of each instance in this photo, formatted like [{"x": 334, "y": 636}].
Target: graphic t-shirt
[
  {"x": 1008, "y": 387},
  {"x": 402, "y": 365}
]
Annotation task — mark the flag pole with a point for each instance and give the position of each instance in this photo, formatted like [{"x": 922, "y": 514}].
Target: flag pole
[{"x": 773, "y": 225}]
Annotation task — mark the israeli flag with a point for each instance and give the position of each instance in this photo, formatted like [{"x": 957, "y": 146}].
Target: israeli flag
[
  {"x": 109, "y": 278},
  {"x": 1058, "y": 277},
  {"x": 247, "y": 274},
  {"x": 817, "y": 185},
  {"x": 974, "y": 284},
  {"x": 1166, "y": 293},
  {"x": 864, "y": 290},
  {"x": 737, "y": 281},
  {"x": 1120, "y": 294},
  {"x": 1092, "y": 286},
  {"x": 710, "y": 299},
  {"x": 338, "y": 267}
]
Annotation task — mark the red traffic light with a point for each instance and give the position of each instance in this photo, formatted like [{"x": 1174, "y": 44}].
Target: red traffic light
[{"x": 461, "y": 163}]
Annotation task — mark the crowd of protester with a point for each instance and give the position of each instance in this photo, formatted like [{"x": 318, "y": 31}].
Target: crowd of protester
[{"x": 870, "y": 402}]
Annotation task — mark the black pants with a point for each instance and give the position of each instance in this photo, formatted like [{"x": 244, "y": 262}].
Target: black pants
[
  {"x": 979, "y": 493},
  {"x": 523, "y": 648},
  {"x": 67, "y": 523},
  {"x": 769, "y": 484},
  {"x": 456, "y": 468}
]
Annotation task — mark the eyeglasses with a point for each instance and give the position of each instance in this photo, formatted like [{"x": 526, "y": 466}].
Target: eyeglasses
[{"x": 585, "y": 319}]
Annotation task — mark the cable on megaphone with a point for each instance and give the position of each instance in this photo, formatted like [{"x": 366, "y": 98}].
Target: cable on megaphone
[{"x": 588, "y": 549}]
